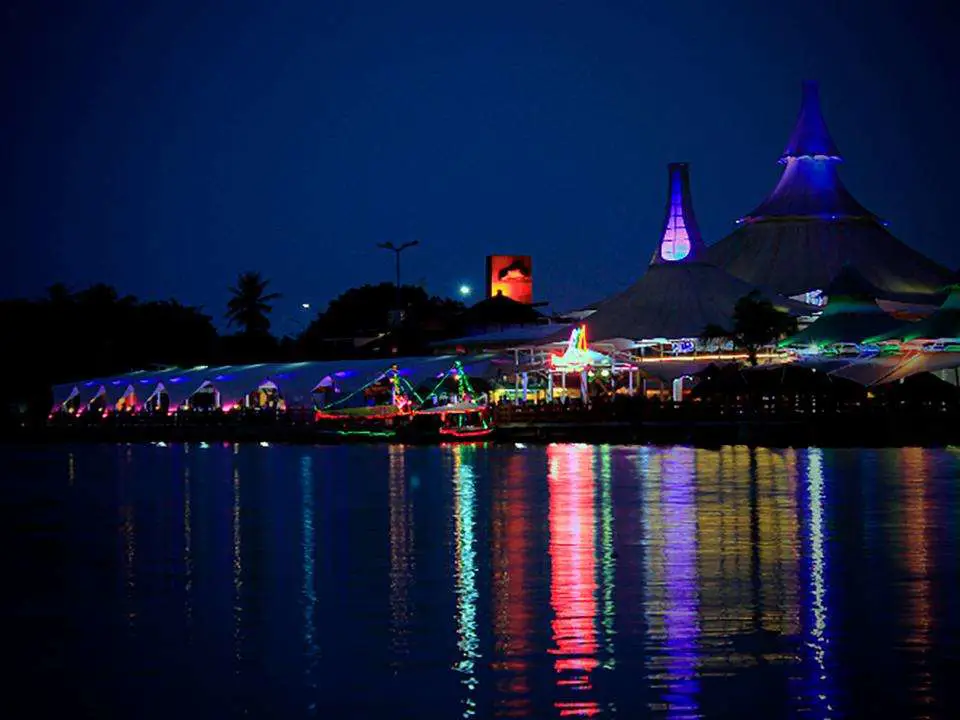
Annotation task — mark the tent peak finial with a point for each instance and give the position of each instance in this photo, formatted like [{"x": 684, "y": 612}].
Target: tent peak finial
[
  {"x": 810, "y": 137},
  {"x": 680, "y": 236}
]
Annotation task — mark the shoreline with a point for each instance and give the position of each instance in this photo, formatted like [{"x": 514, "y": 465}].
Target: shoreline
[{"x": 875, "y": 432}]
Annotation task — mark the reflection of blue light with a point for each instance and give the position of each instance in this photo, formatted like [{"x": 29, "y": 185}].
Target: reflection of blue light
[
  {"x": 282, "y": 376},
  {"x": 175, "y": 379},
  {"x": 221, "y": 378},
  {"x": 344, "y": 374},
  {"x": 90, "y": 384},
  {"x": 309, "y": 562},
  {"x": 117, "y": 382},
  {"x": 680, "y": 567},
  {"x": 818, "y": 631},
  {"x": 146, "y": 382}
]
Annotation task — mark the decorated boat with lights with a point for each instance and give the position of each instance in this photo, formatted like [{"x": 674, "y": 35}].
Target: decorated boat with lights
[
  {"x": 454, "y": 408},
  {"x": 376, "y": 409}
]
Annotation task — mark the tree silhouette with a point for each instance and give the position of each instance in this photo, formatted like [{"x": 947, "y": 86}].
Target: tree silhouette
[
  {"x": 363, "y": 312},
  {"x": 756, "y": 322},
  {"x": 250, "y": 304}
]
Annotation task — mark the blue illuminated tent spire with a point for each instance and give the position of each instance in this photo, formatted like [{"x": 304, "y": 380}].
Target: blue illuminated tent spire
[
  {"x": 810, "y": 136},
  {"x": 680, "y": 238},
  {"x": 799, "y": 238},
  {"x": 810, "y": 186}
]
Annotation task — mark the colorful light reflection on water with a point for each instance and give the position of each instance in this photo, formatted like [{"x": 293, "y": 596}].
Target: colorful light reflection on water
[{"x": 566, "y": 580}]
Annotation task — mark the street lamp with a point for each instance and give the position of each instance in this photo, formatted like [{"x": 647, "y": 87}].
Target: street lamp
[
  {"x": 397, "y": 250},
  {"x": 465, "y": 290}
]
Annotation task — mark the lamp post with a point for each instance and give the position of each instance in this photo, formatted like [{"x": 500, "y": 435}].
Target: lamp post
[{"x": 397, "y": 250}]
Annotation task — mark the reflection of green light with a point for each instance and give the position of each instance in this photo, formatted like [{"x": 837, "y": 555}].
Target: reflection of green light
[
  {"x": 466, "y": 569},
  {"x": 607, "y": 563},
  {"x": 366, "y": 433}
]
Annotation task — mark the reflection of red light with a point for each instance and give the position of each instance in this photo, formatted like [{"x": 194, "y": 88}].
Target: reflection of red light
[
  {"x": 513, "y": 604},
  {"x": 573, "y": 585},
  {"x": 454, "y": 432}
]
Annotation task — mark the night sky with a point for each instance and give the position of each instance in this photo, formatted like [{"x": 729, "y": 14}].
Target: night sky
[{"x": 165, "y": 146}]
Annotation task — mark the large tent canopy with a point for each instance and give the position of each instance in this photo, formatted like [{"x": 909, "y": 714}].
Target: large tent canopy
[
  {"x": 295, "y": 381},
  {"x": 810, "y": 226},
  {"x": 851, "y": 315},
  {"x": 679, "y": 294}
]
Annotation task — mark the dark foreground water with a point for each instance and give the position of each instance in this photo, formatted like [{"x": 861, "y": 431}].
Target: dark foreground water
[{"x": 383, "y": 582}]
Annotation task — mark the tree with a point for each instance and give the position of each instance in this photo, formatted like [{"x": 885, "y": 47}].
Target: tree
[
  {"x": 250, "y": 304},
  {"x": 756, "y": 322},
  {"x": 363, "y": 312}
]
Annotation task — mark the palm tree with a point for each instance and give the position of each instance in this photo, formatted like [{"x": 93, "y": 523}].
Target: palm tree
[
  {"x": 250, "y": 304},
  {"x": 756, "y": 322}
]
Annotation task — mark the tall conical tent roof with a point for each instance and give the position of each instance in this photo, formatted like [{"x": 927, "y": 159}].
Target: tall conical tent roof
[
  {"x": 851, "y": 315},
  {"x": 679, "y": 294},
  {"x": 800, "y": 237},
  {"x": 810, "y": 136},
  {"x": 680, "y": 237}
]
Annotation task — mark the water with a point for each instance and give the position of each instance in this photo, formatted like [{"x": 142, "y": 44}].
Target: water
[{"x": 224, "y": 581}]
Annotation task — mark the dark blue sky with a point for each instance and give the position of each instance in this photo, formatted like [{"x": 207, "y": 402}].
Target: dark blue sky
[{"x": 166, "y": 146}]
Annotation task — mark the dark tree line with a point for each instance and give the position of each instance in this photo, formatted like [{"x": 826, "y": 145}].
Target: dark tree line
[{"x": 95, "y": 332}]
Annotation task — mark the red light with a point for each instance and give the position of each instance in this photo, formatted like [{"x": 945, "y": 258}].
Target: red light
[{"x": 573, "y": 586}]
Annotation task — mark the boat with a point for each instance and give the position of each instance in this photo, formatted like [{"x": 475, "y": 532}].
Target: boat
[
  {"x": 387, "y": 405},
  {"x": 453, "y": 421}
]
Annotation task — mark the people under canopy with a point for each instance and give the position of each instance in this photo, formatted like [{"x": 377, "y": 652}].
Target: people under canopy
[
  {"x": 66, "y": 400},
  {"x": 158, "y": 402},
  {"x": 128, "y": 402},
  {"x": 206, "y": 398},
  {"x": 267, "y": 396},
  {"x": 99, "y": 402}
]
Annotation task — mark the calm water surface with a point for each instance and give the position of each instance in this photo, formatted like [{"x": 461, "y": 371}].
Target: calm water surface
[{"x": 469, "y": 581}]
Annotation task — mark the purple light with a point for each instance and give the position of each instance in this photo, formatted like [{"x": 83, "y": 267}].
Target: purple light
[
  {"x": 680, "y": 550},
  {"x": 175, "y": 379},
  {"x": 675, "y": 244},
  {"x": 222, "y": 378}
]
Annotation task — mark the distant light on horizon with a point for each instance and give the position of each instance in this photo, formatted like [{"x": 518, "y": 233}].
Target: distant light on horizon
[
  {"x": 465, "y": 290},
  {"x": 305, "y": 306}
]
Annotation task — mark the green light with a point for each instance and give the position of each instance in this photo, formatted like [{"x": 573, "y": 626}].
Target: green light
[{"x": 366, "y": 433}]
